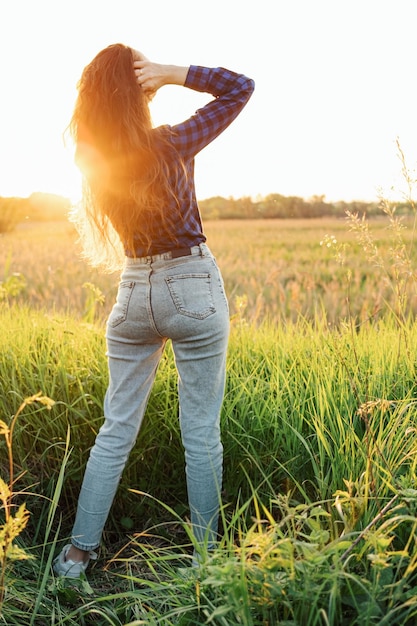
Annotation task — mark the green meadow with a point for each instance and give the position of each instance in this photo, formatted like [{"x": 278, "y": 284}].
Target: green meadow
[{"x": 319, "y": 423}]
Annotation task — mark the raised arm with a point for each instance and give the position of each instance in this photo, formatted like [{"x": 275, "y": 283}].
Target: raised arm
[{"x": 231, "y": 92}]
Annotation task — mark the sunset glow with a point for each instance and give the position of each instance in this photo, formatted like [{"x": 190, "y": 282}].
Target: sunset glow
[{"x": 332, "y": 90}]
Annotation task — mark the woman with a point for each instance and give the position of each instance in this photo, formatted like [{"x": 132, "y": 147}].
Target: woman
[{"x": 139, "y": 194}]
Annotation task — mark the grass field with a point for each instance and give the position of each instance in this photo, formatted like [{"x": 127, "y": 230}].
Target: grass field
[{"x": 319, "y": 430}]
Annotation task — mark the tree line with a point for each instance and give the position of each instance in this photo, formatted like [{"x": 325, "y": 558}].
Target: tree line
[
  {"x": 277, "y": 206},
  {"x": 38, "y": 207},
  {"x": 48, "y": 207}
]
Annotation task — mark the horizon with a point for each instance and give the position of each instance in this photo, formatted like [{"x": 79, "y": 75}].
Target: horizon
[{"x": 255, "y": 199}]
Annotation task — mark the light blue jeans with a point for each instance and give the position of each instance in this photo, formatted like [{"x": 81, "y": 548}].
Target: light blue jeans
[{"x": 181, "y": 299}]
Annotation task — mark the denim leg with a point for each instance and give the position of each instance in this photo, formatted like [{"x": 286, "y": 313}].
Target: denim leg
[
  {"x": 200, "y": 355},
  {"x": 201, "y": 389},
  {"x": 132, "y": 369}
]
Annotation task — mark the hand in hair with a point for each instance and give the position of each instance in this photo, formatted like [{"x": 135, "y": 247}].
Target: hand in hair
[
  {"x": 138, "y": 56},
  {"x": 151, "y": 76}
]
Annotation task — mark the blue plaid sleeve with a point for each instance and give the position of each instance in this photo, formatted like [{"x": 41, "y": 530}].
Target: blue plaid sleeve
[{"x": 231, "y": 92}]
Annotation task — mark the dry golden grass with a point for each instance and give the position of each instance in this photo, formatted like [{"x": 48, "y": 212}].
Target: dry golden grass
[{"x": 271, "y": 268}]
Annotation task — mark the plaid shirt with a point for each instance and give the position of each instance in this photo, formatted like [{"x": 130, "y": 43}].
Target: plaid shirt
[{"x": 231, "y": 91}]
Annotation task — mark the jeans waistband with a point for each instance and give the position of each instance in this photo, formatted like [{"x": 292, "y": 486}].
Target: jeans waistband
[{"x": 167, "y": 256}]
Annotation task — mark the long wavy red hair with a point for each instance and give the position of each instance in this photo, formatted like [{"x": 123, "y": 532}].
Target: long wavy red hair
[{"x": 125, "y": 173}]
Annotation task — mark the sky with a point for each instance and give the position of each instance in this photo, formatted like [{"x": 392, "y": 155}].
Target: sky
[{"x": 335, "y": 85}]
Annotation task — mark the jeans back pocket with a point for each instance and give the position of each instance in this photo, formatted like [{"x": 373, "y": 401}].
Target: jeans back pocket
[
  {"x": 192, "y": 294},
  {"x": 121, "y": 307}
]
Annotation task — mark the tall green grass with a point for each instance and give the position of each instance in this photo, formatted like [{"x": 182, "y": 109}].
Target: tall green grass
[{"x": 319, "y": 502}]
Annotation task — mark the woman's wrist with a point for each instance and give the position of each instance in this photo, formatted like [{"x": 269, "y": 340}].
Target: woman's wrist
[{"x": 176, "y": 74}]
